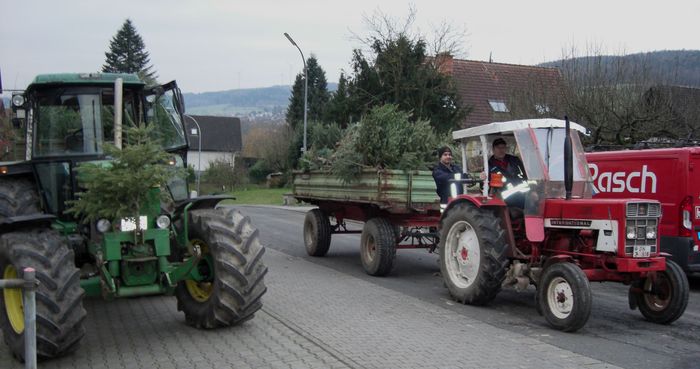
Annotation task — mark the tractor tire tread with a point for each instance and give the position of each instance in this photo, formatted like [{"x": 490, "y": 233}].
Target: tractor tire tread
[
  {"x": 59, "y": 310},
  {"x": 385, "y": 238},
  {"x": 18, "y": 196},
  {"x": 495, "y": 250},
  {"x": 319, "y": 224},
  {"x": 238, "y": 270}
]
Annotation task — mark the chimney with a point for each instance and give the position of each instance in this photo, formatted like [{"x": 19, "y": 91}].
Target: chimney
[{"x": 444, "y": 63}]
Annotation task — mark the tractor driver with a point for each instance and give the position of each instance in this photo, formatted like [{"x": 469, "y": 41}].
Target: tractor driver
[{"x": 511, "y": 167}]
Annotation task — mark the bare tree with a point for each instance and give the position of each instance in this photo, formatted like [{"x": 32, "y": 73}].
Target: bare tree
[{"x": 615, "y": 98}]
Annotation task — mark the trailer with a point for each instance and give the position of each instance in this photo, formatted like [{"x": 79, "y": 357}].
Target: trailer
[{"x": 400, "y": 210}]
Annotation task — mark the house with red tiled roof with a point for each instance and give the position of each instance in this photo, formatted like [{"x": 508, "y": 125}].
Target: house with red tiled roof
[{"x": 499, "y": 92}]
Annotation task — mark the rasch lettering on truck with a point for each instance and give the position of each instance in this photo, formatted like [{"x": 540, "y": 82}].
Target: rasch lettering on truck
[
  {"x": 671, "y": 176},
  {"x": 641, "y": 181}
]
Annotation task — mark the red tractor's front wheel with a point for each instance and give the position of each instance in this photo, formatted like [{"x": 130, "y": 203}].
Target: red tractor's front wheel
[
  {"x": 564, "y": 296},
  {"x": 662, "y": 299}
]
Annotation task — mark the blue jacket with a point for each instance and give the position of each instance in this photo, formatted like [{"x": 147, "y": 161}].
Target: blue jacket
[{"x": 442, "y": 174}]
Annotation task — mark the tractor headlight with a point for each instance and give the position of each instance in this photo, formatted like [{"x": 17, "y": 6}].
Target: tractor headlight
[
  {"x": 163, "y": 222},
  {"x": 651, "y": 233},
  {"x": 18, "y": 100},
  {"x": 631, "y": 233},
  {"x": 103, "y": 225}
]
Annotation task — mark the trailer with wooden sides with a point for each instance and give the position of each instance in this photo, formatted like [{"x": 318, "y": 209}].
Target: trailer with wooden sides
[{"x": 400, "y": 209}]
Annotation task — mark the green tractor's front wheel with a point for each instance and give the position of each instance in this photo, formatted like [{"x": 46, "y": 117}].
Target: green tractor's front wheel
[
  {"x": 231, "y": 270},
  {"x": 59, "y": 307}
]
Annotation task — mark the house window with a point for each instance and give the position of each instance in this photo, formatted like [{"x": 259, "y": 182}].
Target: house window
[
  {"x": 542, "y": 108},
  {"x": 499, "y": 106}
]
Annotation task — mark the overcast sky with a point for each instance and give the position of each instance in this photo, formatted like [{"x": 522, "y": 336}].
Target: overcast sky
[{"x": 209, "y": 45}]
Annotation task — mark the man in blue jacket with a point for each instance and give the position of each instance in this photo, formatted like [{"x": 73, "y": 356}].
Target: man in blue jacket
[{"x": 443, "y": 172}]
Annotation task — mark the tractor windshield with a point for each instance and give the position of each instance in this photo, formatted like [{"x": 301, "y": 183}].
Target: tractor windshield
[
  {"x": 164, "y": 114},
  {"x": 547, "y": 166},
  {"x": 76, "y": 121}
]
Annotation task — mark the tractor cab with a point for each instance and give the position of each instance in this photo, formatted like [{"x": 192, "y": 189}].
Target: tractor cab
[
  {"x": 69, "y": 118},
  {"x": 535, "y": 168}
]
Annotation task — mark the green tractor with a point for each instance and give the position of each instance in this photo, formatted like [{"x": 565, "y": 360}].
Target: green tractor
[{"x": 209, "y": 258}]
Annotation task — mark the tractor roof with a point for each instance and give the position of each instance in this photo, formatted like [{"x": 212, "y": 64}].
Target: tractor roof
[
  {"x": 507, "y": 127},
  {"x": 86, "y": 79}
]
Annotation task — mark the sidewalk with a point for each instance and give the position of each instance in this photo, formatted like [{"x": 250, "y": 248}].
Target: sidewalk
[{"x": 313, "y": 317}]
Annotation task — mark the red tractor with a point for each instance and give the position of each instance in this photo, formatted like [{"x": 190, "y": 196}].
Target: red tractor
[{"x": 542, "y": 227}]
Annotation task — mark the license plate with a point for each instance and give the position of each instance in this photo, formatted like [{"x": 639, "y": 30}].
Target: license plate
[{"x": 641, "y": 251}]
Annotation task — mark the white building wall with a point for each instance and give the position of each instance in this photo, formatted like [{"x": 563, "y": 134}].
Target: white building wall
[{"x": 207, "y": 157}]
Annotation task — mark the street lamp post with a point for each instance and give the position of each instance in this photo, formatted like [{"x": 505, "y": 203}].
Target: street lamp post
[
  {"x": 306, "y": 84},
  {"x": 199, "y": 147}
]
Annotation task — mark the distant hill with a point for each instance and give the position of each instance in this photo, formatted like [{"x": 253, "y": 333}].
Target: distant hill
[
  {"x": 251, "y": 103},
  {"x": 676, "y": 67},
  {"x": 240, "y": 102}
]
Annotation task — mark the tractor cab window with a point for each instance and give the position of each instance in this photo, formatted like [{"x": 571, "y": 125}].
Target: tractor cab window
[
  {"x": 130, "y": 117},
  {"x": 76, "y": 121},
  {"x": 547, "y": 165},
  {"x": 164, "y": 116}
]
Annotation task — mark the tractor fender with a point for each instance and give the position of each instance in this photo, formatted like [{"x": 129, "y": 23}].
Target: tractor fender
[
  {"x": 201, "y": 202},
  {"x": 556, "y": 259},
  {"x": 22, "y": 221},
  {"x": 478, "y": 201},
  {"x": 16, "y": 169},
  {"x": 491, "y": 203}
]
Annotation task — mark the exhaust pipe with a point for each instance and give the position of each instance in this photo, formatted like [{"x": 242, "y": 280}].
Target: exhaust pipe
[
  {"x": 118, "y": 102},
  {"x": 568, "y": 161}
]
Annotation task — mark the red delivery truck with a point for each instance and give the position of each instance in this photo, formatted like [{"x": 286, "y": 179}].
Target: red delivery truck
[{"x": 671, "y": 176}]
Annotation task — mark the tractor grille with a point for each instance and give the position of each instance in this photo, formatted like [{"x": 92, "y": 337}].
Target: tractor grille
[
  {"x": 640, "y": 216},
  {"x": 643, "y": 209}
]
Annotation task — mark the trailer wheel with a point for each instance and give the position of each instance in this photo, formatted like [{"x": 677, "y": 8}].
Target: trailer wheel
[
  {"x": 472, "y": 254},
  {"x": 232, "y": 267},
  {"x": 59, "y": 298},
  {"x": 564, "y": 295},
  {"x": 668, "y": 297},
  {"x": 378, "y": 247},
  {"x": 18, "y": 196},
  {"x": 317, "y": 233}
]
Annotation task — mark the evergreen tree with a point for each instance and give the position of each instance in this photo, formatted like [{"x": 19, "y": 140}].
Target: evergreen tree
[
  {"x": 120, "y": 189},
  {"x": 400, "y": 73},
  {"x": 339, "y": 106},
  {"x": 317, "y": 99},
  {"x": 127, "y": 54}
]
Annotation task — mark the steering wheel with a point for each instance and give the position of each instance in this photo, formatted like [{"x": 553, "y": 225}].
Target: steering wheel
[{"x": 74, "y": 140}]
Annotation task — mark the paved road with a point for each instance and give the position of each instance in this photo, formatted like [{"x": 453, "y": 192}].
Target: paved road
[
  {"x": 326, "y": 313},
  {"x": 614, "y": 334}
]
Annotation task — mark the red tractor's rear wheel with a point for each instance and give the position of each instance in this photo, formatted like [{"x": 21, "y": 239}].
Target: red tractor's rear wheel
[
  {"x": 665, "y": 297},
  {"x": 564, "y": 296},
  {"x": 472, "y": 254}
]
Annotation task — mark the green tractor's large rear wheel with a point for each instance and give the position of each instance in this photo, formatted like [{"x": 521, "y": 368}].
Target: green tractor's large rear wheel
[
  {"x": 59, "y": 308},
  {"x": 18, "y": 196},
  {"x": 231, "y": 267}
]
